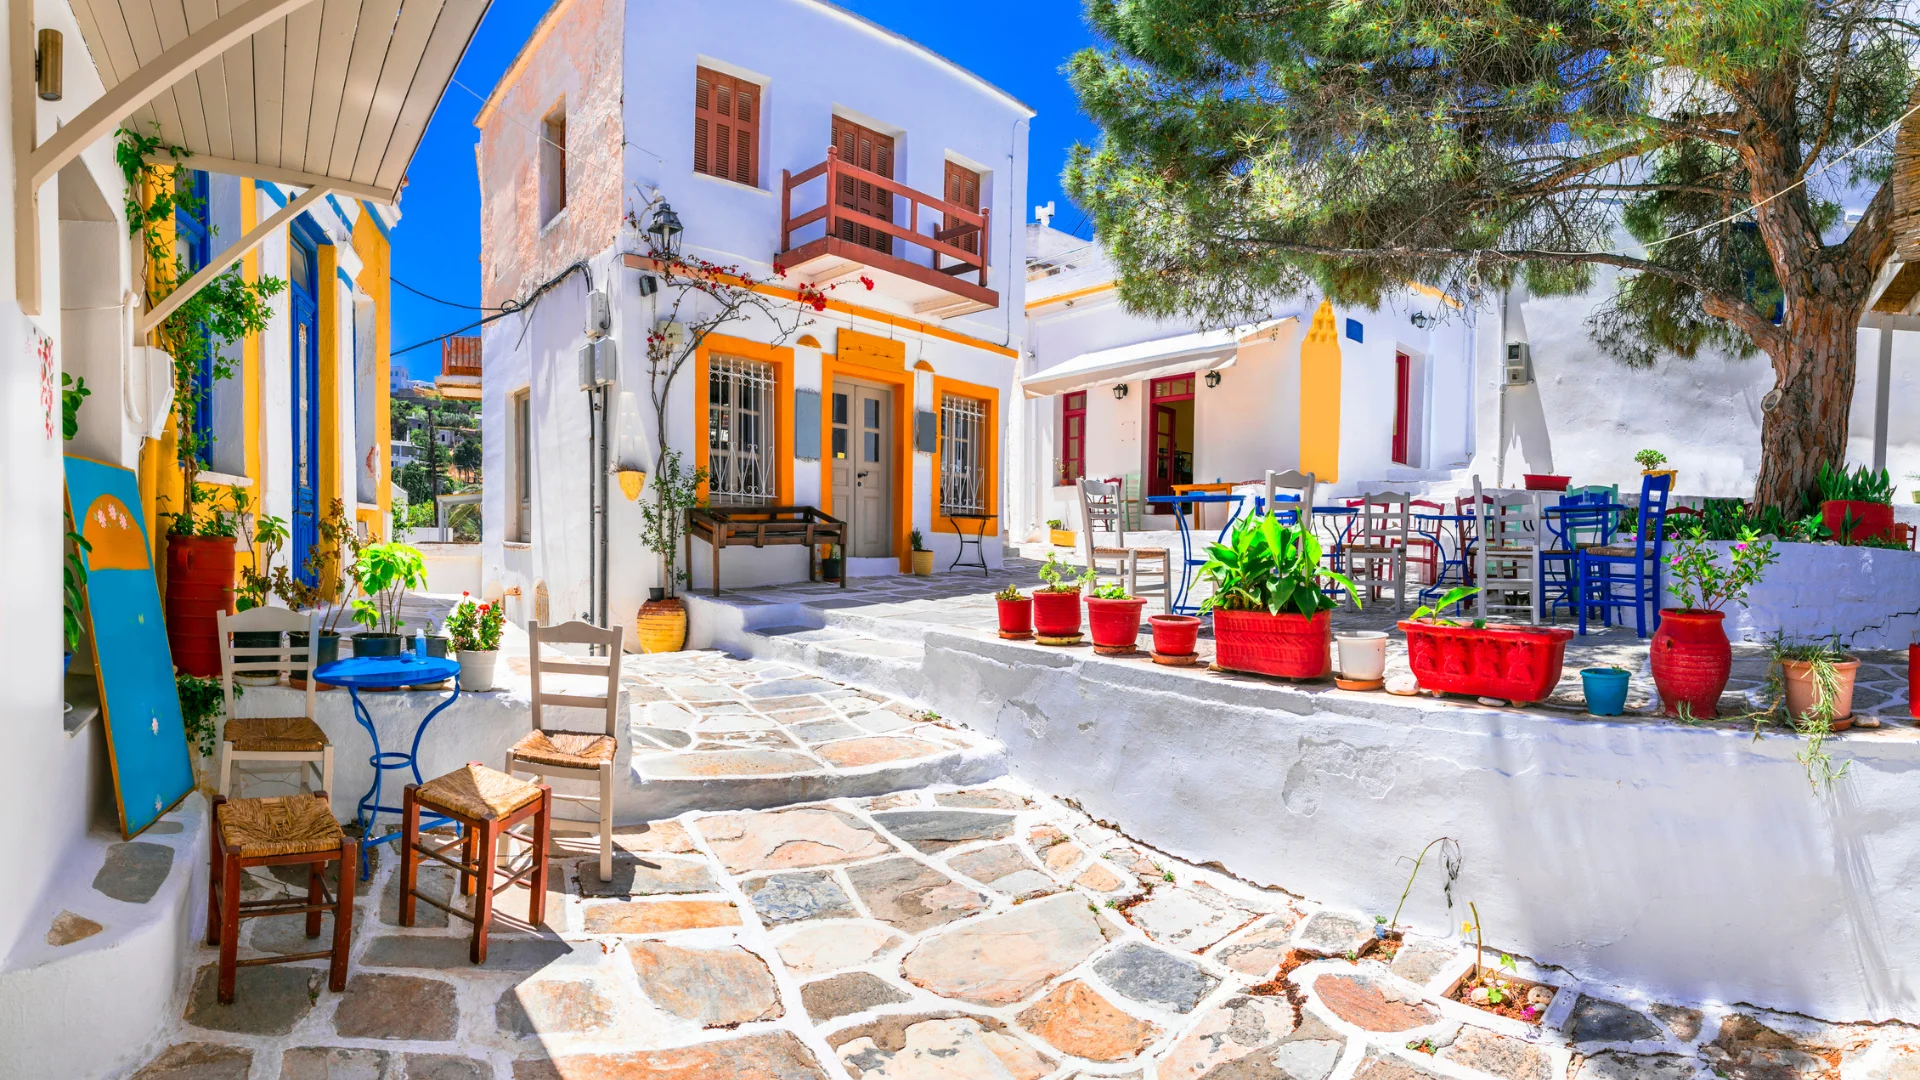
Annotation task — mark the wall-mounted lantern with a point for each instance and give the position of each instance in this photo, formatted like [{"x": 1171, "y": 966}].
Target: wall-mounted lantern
[
  {"x": 1422, "y": 320},
  {"x": 46, "y": 65},
  {"x": 665, "y": 229},
  {"x": 1213, "y": 379},
  {"x": 1119, "y": 391}
]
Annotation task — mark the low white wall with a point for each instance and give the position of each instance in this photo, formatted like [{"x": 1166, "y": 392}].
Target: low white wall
[
  {"x": 1868, "y": 597},
  {"x": 1692, "y": 862},
  {"x": 451, "y": 568}
]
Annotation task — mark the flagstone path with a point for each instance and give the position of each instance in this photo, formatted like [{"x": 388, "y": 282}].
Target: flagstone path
[{"x": 940, "y": 933}]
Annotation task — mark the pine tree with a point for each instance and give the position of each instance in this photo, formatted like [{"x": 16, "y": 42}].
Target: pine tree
[{"x": 1255, "y": 147}]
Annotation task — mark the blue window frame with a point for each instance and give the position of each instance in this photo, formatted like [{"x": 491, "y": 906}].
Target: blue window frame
[{"x": 193, "y": 242}]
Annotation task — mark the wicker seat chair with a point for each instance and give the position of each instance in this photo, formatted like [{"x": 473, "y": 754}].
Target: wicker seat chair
[
  {"x": 278, "y": 831},
  {"x": 1145, "y": 570},
  {"x": 574, "y": 755},
  {"x": 280, "y": 740},
  {"x": 487, "y": 805}
]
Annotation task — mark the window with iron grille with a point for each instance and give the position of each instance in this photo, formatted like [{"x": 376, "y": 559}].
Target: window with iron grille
[
  {"x": 740, "y": 461},
  {"x": 963, "y": 455}
]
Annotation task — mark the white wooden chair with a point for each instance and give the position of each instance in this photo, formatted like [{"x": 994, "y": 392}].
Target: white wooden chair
[
  {"x": 1103, "y": 509},
  {"x": 280, "y": 740},
  {"x": 1377, "y": 555},
  {"x": 1294, "y": 483},
  {"x": 574, "y": 755},
  {"x": 1506, "y": 554}
]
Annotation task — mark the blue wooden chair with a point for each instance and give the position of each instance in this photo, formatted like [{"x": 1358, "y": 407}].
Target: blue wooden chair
[
  {"x": 1635, "y": 568},
  {"x": 1583, "y": 520}
]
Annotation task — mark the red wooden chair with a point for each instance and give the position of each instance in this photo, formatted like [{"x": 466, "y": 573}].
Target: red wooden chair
[{"x": 1423, "y": 553}]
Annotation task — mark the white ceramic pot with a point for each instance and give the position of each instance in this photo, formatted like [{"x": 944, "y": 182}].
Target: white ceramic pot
[
  {"x": 1363, "y": 654},
  {"x": 476, "y": 670}
]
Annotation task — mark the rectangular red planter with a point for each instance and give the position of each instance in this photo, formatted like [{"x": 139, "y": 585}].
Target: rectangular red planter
[
  {"x": 1519, "y": 664},
  {"x": 1287, "y": 646},
  {"x": 1871, "y": 521}
]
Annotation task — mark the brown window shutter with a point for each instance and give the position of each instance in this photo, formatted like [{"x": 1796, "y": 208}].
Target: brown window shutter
[
  {"x": 726, "y": 127},
  {"x": 963, "y": 188},
  {"x": 872, "y": 151}
]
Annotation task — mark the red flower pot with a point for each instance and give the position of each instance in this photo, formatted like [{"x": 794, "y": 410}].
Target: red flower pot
[
  {"x": 1870, "y": 520},
  {"x": 1518, "y": 663},
  {"x": 199, "y": 587},
  {"x": 1546, "y": 481},
  {"x": 1691, "y": 660},
  {"x": 1115, "y": 623},
  {"x": 1016, "y": 616},
  {"x": 1913, "y": 680},
  {"x": 1289, "y": 646},
  {"x": 1056, "y": 614},
  {"x": 1174, "y": 635}
]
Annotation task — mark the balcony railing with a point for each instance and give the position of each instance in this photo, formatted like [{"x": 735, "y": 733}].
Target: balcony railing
[{"x": 850, "y": 233}]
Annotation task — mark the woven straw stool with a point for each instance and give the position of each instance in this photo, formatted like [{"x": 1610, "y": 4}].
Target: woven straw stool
[
  {"x": 487, "y": 804},
  {"x": 277, "y": 831}
]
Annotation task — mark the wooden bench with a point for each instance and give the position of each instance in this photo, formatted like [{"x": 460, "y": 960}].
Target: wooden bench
[{"x": 766, "y": 526}]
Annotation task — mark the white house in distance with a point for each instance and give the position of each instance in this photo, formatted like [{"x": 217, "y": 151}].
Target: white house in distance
[
  {"x": 712, "y": 111},
  {"x": 1365, "y": 400}
]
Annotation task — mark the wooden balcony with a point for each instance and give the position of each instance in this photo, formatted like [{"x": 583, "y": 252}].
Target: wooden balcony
[
  {"x": 934, "y": 273},
  {"x": 459, "y": 368}
]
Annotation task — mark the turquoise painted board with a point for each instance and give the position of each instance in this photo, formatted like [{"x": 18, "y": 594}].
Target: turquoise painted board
[{"x": 146, "y": 740}]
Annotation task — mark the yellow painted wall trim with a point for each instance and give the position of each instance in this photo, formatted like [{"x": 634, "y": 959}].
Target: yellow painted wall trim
[
  {"x": 376, "y": 257},
  {"x": 990, "y": 395},
  {"x": 1320, "y": 397},
  {"x": 644, "y": 262},
  {"x": 781, "y": 359},
  {"x": 1432, "y": 293},
  {"x": 327, "y": 384},
  {"x": 901, "y": 381},
  {"x": 1065, "y": 297}
]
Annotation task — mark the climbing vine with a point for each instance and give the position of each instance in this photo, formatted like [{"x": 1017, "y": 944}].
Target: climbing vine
[{"x": 227, "y": 310}]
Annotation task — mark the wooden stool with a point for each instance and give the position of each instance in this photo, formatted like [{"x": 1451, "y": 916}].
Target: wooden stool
[
  {"x": 487, "y": 804},
  {"x": 285, "y": 829}
]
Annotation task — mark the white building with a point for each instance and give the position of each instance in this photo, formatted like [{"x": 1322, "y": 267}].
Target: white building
[
  {"x": 711, "y": 108},
  {"x": 1364, "y": 400}
]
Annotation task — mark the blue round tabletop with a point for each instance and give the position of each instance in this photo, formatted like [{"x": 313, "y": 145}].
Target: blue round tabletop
[{"x": 386, "y": 672}]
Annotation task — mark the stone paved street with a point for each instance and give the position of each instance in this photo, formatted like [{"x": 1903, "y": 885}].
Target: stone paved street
[{"x": 943, "y": 932}]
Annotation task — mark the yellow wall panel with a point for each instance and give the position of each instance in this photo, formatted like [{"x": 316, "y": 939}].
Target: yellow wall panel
[{"x": 1320, "y": 397}]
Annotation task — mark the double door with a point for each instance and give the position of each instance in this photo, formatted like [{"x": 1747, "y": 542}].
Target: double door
[{"x": 863, "y": 453}]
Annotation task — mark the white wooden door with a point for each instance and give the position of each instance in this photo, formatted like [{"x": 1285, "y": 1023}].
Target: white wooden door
[{"x": 863, "y": 454}]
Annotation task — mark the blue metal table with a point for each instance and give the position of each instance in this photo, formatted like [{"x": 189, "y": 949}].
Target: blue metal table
[
  {"x": 1458, "y": 561},
  {"x": 1187, "y": 561},
  {"x": 388, "y": 673}
]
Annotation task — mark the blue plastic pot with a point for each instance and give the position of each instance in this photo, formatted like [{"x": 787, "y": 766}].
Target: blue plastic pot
[{"x": 1606, "y": 690}]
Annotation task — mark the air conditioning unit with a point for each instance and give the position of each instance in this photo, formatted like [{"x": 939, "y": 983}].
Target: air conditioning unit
[
  {"x": 1519, "y": 363},
  {"x": 599, "y": 364},
  {"x": 599, "y": 314}
]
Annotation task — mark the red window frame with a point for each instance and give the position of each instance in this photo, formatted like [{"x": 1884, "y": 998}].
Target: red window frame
[
  {"x": 1073, "y": 436},
  {"x": 1402, "y": 402}
]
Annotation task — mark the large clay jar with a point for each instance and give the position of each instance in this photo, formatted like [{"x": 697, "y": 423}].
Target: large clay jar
[
  {"x": 661, "y": 625},
  {"x": 199, "y": 587},
  {"x": 1691, "y": 660}
]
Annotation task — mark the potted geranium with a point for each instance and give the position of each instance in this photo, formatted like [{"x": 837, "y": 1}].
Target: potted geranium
[
  {"x": 1691, "y": 657},
  {"x": 384, "y": 573},
  {"x": 1858, "y": 506},
  {"x": 1114, "y": 617},
  {"x": 922, "y": 555},
  {"x": 1056, "y": 604},
  {"x": 473, "y": 629},
  {"x": 1270, "y": 616},
  {"x": 1016, "y": 613},
  {"x": 1513, "y": 662}
]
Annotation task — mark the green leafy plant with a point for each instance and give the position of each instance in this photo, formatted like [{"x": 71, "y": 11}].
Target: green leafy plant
[
  {"x": 1055, "y": 523},
  {"x": 201, "y": 514},
  {"x": 200, "y": 704},
  {"x": 256, "y": 580},
  {"x": 1454, "y": 596},
  {"x": 1269, "y": 566},
  {"x": 74, "y": 575},
  {"x": 1112, "y": 591},
  {"x": 73, "y": 394},
  {"x": 384, "y": 573},
  {"x": 1816, "y": 726},
  {"x": 915, "y": 542},
  {"x": 1703, "y": 583},
  {"x": 1650, "y": 459},
  {"x": 1063, "y": 577},
  {"x": 663, "y": 520},
  {"x": 1860, "y": 485},
  {"x": 474, "y": 626},
  {"x": 1011, "y": 592}
]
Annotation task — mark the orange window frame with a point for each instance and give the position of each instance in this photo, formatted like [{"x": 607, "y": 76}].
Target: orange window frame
[
  {"x": 780, "y": 358},
  {"x": 990, "y": 453}
]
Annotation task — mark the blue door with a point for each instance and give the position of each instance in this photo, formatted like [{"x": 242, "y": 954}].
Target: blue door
[{"x": 303, "y": 278}]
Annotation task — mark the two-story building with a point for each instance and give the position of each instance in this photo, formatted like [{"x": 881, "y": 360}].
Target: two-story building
[{"x": 876, "y": 207}]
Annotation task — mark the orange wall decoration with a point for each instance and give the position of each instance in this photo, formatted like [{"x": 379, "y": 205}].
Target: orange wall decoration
[{"x": 1320, "y": 397}]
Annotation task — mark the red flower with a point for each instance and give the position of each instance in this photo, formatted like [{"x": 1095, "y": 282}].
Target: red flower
[
  {"x": 484, "y": 608},
  {"x": 867, "y": 281},
  {"x": 779, "y": 270},
  {"x": 819, "y": 303}
]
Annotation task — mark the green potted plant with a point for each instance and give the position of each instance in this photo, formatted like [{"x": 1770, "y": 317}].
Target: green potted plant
[
  {"x": 201, "y": 702},
  {"x": 1113, "y": 615},
  {"x": 1650, "y": 462},
  {"x": 922, "y": 556},
  {"x": 1058, "y": 534},
  {"x": 384, "y": 573},
  {"x": 73, "y": 394},
  {"x": 1858, "y": 506},
  {"x": 1016, "y": 613},
  {"x": 661, "y": 625},
  {"x": 1056, "y": 604},
  {"x": 1816, "y": 682},
  {"x": 1510, "y": 661},
  {"x": 832, "y": 564},
  {"x": 1270, "y": 615},
  {"x": 473, "y": 628},
  {"x": 1690, "y": 655},
  {"x": 255, "y": 589}
]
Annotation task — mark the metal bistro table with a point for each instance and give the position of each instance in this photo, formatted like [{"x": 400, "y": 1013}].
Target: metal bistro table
[
  {"x": 1435, "y": 531},
  {"x": 388, "y": 673},
  {"x": 1187, "y": 561},
  {"x": 979, "y": 536}
]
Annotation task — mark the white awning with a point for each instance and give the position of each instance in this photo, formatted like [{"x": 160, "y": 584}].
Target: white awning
[{"x": 1208, "y": 350}]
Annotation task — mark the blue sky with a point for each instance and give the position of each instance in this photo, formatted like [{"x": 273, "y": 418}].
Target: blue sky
[{"x": 1018, "y": 45}]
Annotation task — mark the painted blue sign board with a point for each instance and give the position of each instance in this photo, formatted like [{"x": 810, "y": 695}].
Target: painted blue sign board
[{"x": 146, "y": 739}]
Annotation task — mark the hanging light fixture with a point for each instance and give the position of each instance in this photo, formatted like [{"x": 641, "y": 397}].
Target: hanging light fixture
[{"x": 665, "y": 229}]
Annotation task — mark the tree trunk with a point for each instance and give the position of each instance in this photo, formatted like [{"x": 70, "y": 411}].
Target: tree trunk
[{"x": 1807, "y": 427}]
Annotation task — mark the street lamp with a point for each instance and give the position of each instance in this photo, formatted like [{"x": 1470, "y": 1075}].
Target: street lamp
[{"x": 665, "y": 229}]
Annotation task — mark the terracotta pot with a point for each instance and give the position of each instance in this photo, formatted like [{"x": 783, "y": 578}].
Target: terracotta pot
[
  {"x": 1803, "y": 693},
  {"x": 1056, "y": 614},
  {"x": 923, "y": 564},
  {"x": 1287, "y": 646},
  {"x": 1691, "y": 660},
  {"x": 661, "y": 626},
  {"x": 1546, "y": 481},
  {"x": 1115, "y": 623},
  {"x": 1913, "y": 680},
  {"x": 1870, "y": 520},
  {"x": 1174, "y": 635},
  {"x": 1518, "y": 663},
  {"x": 1016, "y": 616},
  {"x": 199, "y": 587}
]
